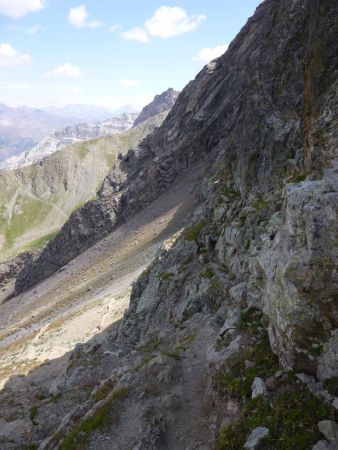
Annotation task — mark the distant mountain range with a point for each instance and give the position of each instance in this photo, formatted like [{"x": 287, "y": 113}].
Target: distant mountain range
[
  {"x": 88, "y": 113},
  {"x": 23, "y": 127},
  {"x": 69, "y": 135}
]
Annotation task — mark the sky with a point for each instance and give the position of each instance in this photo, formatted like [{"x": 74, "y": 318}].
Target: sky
[{"x": 109, "y": 52}]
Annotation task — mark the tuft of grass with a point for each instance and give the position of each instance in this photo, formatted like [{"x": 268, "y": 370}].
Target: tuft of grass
[
  {"x": 209, "y": 273},
  {"x": 151, "y": 345},
  {"x": 229, "y": 192},
  {"x": 260, "y": 205},
  {"x": 172, "y": 354},
  {"x": 165, "y": 276},
  {"x": 299, "y": 178},
  {"x": 144, "y": 361},
  {"x": 33, "y": 412},
  {"x": 192, "y": 233}
]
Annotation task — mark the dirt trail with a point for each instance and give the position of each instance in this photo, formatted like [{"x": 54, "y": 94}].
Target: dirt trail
[{"x": 92, "y": 291}]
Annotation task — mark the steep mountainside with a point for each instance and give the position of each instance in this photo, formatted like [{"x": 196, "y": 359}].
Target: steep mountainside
[
  {"x": 36, "y": 200},
  {"x": 230, "y": 339},
  {"x": 162, "y": 102},
  {"x": 69, "y": 135}
]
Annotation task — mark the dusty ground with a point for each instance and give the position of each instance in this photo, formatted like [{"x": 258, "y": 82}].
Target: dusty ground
[{"x": 91, "y": 292}]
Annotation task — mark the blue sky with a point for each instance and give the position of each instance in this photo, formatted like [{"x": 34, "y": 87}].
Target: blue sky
[{"x": 109, "y": 52}]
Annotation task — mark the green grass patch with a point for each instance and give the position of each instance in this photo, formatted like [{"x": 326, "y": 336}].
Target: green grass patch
[
  {"x": 332, "y": 386},
  {"x": 172, "y": 354},
  {"x": 144, "y": 362},
  {"x": 33, "y": 412},
  {"x": 192, "y": 233},
  {"x": 151, "y": 345},
  {"x": 229, "y": 192},
  {"x": 251, "y": 320},
  {"x": 166, "y": 276},
  {"x": 299, "y": 178},
  {"x": 209, "y": 273},
  {"x": 260, "y": 205}
]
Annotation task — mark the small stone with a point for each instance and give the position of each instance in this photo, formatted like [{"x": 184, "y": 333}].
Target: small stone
[
  {"x": 329, "y": 429},
  {"x": 322, "y": 445},
  {"x": 255, "y": 437},
  {"x": 258, "y": 387},
  {"x": 271, "y": 384},
  {"x": 335, "y": 403},
  {"x": 248, "y": 364}
]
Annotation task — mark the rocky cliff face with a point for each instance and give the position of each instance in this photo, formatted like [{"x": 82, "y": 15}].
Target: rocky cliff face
[
  {"x": 257, "y": 268},
  {"x": 69, "y": 135},
  {"x": 162, "y": 102}
]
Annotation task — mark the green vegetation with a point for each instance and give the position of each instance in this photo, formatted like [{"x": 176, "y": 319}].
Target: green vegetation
[
  {"x": 251, "y": 321},
  {"x": 77, "y": 438},
  {"x": 33, "y": 413},
  {"x": 332, "y": 386},
  {"x": 291, "y": 413},
  {"x": 237, "y": 381},
  {"x": 40, "y": 242},
  {"x": 192, "y": 233},
  {"x": 179, "y": 348},
  {"x": 34, "y": 211},
  {"x": 229, "y": 192},
  {"x": 260, "y": 205},
  {"x": 144, "y": 362},
  {"x": 151, "y": 345},
  {"x": 292, "y": 417},
  {"x": 172, "y": 354},
  {"x": 209, "y": 273},
  {"x": 165, "y": 276},
  {"x": 298, "y": 178}
]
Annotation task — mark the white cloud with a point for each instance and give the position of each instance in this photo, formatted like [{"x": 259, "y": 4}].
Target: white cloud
[
  {"x": 115, "y": 27},
  {"x": 166, "y": 22},
  {"x": 79, "y": 17},
  {"x": 135, "y": 34},
  {"x": 209, "y": 53},
  {"x": 34, "y": 30},
  {"x": 66, "y": 70},
  {"x": 11, "y": 57},
  {"x": 18, "y": 8},
  {"x": 172, "y": 21},
  {"x": 129, "y": 83}
]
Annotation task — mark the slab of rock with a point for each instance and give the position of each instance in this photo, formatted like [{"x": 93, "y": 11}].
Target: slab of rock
[
  {"x": 329, "y": 429},
  {"x": 322, "y": 445},
  {"x": 258, "y": 387},
  {"x": 255, "y": 437}
]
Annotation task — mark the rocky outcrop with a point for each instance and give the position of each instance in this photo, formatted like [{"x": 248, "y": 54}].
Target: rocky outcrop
[
  {"x": 10, "y": 269},
  {"x": 161, "y": 103}
]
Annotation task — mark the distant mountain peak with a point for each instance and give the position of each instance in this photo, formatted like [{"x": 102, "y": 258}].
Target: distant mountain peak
[{"x": 162, "y": 102}]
